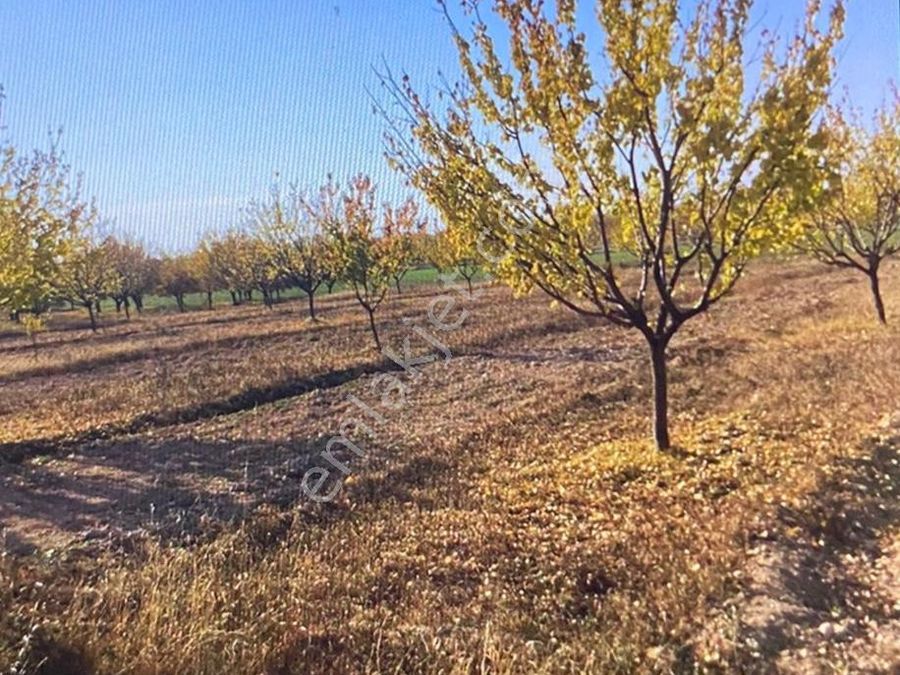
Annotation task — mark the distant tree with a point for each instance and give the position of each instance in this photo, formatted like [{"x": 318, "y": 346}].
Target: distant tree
[
  {"x": 136, "y": 274},
  {"x": 856, "y": 221},
  {"x": 262, "y": 269},
  {"x": 86, "y": 276},
  {"x": 658, "y": 132},
  {"x": 295, "y": 227},
  {"x": 402, "y": 229},
  {"x": 177, "y": 278},
  {"x": 451, "y": 255},
  {"x": 229, "y": 256},
  {"x": 206, "y": 269},
  {"x": 368, "y": 261}
]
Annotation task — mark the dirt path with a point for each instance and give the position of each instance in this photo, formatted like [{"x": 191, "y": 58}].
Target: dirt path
[{"x": 822, "y": 593}]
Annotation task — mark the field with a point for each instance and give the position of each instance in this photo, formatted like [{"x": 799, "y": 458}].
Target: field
[{"x": 508, "y": 512}]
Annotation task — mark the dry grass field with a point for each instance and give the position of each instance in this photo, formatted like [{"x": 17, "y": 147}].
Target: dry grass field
[{"x": 511, "y": 516}]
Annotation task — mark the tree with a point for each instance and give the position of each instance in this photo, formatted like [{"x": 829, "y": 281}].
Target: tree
[
  {"x": 86, "y": 277},
  {"x": 224, "y": 264},
  {"x": 136, "y": 273},
  {"x": 670, "y": 157},
  {"x": 402, "y": 229},
  {"x": 177, "y": 278},
  {"x": 856, "y": 222},
  {"x": 261, "y": 267},
  {"x": 294, "y": 228},
  {"x": 41, "y": 213},
  {"x": 368, "y": 262},
  {"x": 206, "y": 269},
  {"x": 451, "y": 255}
]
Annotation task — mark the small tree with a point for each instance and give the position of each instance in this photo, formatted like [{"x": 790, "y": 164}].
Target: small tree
[
  {"x": 668, "y": 155},
  {"x": 206, "y": 269},
  {"x": 177, "y": 278},
  {"x": 261, "y": 266},
  {"x": 86, "y": 277},
  {"x": 451, "y": 255},
  {"x": 136, "y": 274},
  {"x": 231, "y": 257},
  {"x": 368, "y": 262},
  {"x": 856, "y": 223},
  {"x": 294, "y": 229},
  {"x": 41, "y": 213},
  {"x": 402, "y": 228}
]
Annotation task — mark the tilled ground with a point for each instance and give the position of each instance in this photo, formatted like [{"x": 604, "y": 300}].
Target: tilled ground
[{"x": 506, "y": 511}]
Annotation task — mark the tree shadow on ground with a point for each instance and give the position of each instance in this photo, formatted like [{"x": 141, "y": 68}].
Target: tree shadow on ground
[
  {"x": 185, "y": 491},
  {"x": 18, "y": 451}
]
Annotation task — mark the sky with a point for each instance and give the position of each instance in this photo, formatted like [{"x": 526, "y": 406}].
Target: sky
[{"x": 178, "y": 113}]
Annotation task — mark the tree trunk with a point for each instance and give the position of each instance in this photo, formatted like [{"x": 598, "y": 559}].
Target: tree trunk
[
  {"x": 397, "y": 284},
  {"x": 97, "y": 306},
  {"x": 209, "y": 302},
  {"x": 469, "y": 284},
  {"x": 179, "y": 300},
  {"x": 876, "y": 295},
  {"x": 234, "y": 298},
  {"x": 90, "y": 309},
  {"x": 660, "y": 393},
  {"x": 374, "y": 329},
  {"x": 310, "y": 297},
  {"x": 127, "y": 309},
  {"x": 118, "y": 302}
]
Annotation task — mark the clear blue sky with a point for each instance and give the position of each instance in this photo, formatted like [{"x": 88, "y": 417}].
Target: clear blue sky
[{"x": 179, "y": 112}]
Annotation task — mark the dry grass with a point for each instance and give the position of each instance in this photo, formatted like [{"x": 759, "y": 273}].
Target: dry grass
[{"x": 512, "y": 518}]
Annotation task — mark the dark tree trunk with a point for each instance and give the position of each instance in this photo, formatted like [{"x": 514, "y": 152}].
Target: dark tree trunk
[
  {"x": 374, "y": 329},
  {"x": 127, "y": 309},
  {"x": 209, "y": 302},
  {"x": 90, "y": 308},
  {"x": 179, "y": 300},
  {"x": 118, "y": 302},
  {"x": 249, "y": 296},
  {"x": 876, "y": 294},
  {"x": 330, "y": 284},
  {"x": 97, "y": 306},
  {"x": 469, "y": 284},
  {"x": 234, "y": 299},
  {"x": 310, "y": 298},
  {"x": 660, "y": 392},
  {"x": 138, "y": 302},
  {"x": 397, "y": 284}
]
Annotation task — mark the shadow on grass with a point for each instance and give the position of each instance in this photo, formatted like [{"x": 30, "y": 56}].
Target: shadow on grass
[{"x": 245, "y": 400}]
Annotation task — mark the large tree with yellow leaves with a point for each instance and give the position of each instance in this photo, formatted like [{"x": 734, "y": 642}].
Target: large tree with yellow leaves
[{"x": 632, "y": 186}]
